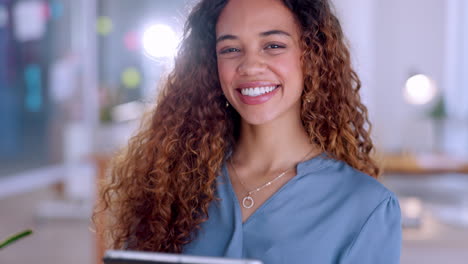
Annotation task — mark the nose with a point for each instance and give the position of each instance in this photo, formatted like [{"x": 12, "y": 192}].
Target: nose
[{"x": 252, "y": 64}]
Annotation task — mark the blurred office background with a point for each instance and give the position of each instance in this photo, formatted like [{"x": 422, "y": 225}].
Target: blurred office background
[{"x": 75, "y": 76}]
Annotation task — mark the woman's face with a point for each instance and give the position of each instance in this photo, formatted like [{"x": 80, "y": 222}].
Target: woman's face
[{"x": 258, "y": 55}]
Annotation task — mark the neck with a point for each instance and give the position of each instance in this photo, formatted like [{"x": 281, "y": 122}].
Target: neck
[{"x": 273, "y": 146}]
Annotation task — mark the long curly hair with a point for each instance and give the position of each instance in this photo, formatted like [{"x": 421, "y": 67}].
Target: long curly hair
[{"x": 161, "y": 185}]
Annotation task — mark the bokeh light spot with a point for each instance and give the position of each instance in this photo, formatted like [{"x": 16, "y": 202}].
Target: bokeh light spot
[
  {"x": 45, "y": 10},
  {"x": 160, "y": 41},
  {"x": 56, "y": 9},
  {"x": 104, "y": 25},
  {"x": 419, "y": 89},
  {"x": 29, "y": 20},
  {"x": 33, "y": 80},
  {"x": 131, "y": 78},
  {"x": 131, "y": 41}
]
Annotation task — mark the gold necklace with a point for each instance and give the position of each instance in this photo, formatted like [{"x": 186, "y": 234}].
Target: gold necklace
[{"x": 248, "y": 201}]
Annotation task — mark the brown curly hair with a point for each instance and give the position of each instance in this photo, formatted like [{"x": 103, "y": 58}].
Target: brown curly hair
[{"x": 160, "y": 186}]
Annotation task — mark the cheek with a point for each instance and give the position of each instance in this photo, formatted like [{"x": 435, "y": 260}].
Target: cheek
[
  {"x": 290, "y": 69},
  {"x": 225, "y": 72}
]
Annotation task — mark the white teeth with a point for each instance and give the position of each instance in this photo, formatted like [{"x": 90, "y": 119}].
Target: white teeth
[{"x": 256, "y": 91}]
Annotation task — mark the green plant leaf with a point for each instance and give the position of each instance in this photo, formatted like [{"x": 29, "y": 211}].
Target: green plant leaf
[
  {"x": 15, "y": 238},
  {"x": 438, "y": 111}
]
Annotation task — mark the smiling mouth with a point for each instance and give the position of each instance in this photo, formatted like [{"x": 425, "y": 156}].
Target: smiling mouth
[{"x": 257, "y": 91}]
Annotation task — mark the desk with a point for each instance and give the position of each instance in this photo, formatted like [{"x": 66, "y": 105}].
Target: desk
[
  {"x": 411, "y": 164},
  {"x": 438, "y": 182}
]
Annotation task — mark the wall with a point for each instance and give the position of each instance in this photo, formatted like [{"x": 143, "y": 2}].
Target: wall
[{"x": 391, "y": 40}]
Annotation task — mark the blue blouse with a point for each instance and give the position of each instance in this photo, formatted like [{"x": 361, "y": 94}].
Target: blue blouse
[{"x": 328, "y": 213}]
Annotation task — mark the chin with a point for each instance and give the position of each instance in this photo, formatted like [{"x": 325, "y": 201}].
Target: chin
[{"x": 258, "y": 118}]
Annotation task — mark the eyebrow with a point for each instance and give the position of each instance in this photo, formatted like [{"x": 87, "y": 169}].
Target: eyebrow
[{"x": 262, "y": 34}]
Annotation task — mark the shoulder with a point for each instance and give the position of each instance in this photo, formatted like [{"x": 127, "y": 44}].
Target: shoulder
[
  {"x": 362, "y": 216},
  {"x": 357, "y": 185},
  {"x": 376, "y": 226},
  {"x": 349, "y": 190},
  {"x": 373, "y": 205}
]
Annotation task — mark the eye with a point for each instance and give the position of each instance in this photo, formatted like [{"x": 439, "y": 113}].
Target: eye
[
  {"x": 229, "y": 50},
  {"x": 275, "y": 46}
]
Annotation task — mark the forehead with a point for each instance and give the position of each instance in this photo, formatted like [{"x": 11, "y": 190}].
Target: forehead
[{"x": 255, "y": 16}]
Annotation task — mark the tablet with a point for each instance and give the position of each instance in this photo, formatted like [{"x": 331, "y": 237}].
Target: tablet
[{"x": 138, "y": 257}]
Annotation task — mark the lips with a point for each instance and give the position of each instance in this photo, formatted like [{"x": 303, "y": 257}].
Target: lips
[
  {"x": 254, "y": 93},
  {"x": 257, "y": 91}
]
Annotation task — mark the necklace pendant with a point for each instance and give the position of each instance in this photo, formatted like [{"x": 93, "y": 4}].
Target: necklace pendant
[{"x": 248, "y": 202}]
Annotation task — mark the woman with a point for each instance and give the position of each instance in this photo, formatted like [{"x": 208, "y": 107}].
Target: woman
[{"x": 258, "y": 147}]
